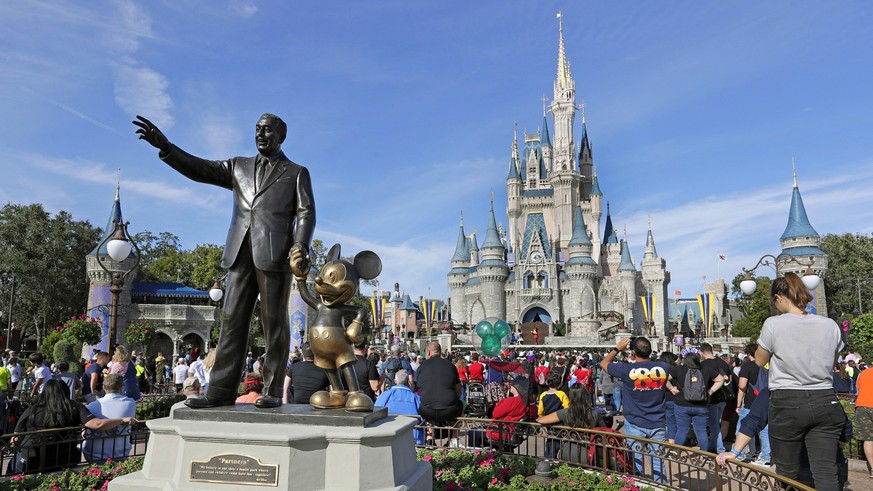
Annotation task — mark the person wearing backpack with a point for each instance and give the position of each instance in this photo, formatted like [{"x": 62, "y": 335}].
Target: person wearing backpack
[
  {"x": 691, "y": 385},
  {"x": 717, "y": 400},
  {"x": 393, "y": 365}
]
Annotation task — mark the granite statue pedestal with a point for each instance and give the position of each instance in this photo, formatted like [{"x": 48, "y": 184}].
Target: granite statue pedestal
[{"x": 292, "y": 447}]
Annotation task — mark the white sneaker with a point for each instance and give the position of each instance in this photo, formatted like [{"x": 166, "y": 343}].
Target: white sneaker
[
  {"x": 453, "y": 443},
  {"x": 761, "y": 463}
]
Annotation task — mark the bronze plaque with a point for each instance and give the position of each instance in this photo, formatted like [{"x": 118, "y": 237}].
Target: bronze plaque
[{"x": 235, "y": 469}]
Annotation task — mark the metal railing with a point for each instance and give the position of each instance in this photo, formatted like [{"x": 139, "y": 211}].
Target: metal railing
[
  {"x": 55, "y": 449},
  {"x": 659, "y": 464}
]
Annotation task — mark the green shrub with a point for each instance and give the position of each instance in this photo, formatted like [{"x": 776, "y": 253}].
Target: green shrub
[
  {"x": 65, "y": 351},
  {"x": 47, "y": 348},
  {"x": 157, "y": 407},
  {"x": 91, "y": 477}
]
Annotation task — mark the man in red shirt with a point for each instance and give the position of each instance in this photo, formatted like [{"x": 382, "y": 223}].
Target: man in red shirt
[
  {"x": 513, "y": 408},
  {"x": 476, "y": 370},
  {"x": 541, "y": 373}
]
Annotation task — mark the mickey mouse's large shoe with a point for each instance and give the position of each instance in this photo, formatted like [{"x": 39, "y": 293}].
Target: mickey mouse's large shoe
[{"x": 204, "y": 402}]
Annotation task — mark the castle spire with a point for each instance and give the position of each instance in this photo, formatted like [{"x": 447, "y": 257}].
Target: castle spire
[
  {"x": 608, "y": 231},
  {"x": 461, "y": 252},
  {"x": 514, "y": 160},
  {"x": 595, "y": 184},
  {"x": 580, "y": 235},
  {"x": 114, "y": 217},
  {"x": 564, "y": 78},
  {"x": 650, "y": 242},
  {"x": 626, "y": 264},
  {"x": 492, "y": 238},
  {"x": 545, "y": 138},
  {"x": 798, "y": 222}
]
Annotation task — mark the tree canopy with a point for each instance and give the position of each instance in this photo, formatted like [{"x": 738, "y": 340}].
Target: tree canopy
[
  {"x": 46, "y": 256},
  {"x": 849, "y": 280},
  {"x": 755, "y": 309}
]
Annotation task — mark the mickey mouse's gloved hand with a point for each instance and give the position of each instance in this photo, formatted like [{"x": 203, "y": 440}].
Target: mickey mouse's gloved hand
[{"x": 355, "y": 332}]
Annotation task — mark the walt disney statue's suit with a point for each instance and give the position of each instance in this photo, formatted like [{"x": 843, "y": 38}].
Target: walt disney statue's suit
[{"x": 273, "y": 212}]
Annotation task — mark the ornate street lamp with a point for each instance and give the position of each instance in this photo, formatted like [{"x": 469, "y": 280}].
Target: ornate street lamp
[
  {"x": 118, "y": 244},
  {"x": 810, "y": 279}
]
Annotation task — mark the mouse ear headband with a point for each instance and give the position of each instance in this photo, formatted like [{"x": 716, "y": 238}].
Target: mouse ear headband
[{"x": 368, "y": 265}]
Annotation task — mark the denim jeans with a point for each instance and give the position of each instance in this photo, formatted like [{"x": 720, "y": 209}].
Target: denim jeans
[
  {"x": 691, "y": 415},
  {"x": 813, "y": 417},
  {"x": 764, "y": 435},
  {"x": 669, "y": 408},
  {"x": 715, "y": 442},
  {"x": 659, "y": 434},
  {"x": 616, "y": 395}
]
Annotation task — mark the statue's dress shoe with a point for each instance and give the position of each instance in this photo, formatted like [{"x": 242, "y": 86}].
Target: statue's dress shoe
[
  {"x": 327, "y": 400},
  {"x": 204, "y": 402},
  {"x": 268, "y": 402}
]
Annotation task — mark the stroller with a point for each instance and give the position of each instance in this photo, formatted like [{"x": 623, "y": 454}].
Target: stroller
[{"x": 476, "y": 404}]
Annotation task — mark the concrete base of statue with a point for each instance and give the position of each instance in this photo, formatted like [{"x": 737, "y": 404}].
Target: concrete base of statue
[{"x": 290, "y": 447}]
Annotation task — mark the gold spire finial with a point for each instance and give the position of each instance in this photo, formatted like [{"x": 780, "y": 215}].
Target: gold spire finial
[
  {"x": 794, "y": 171},
  {"x": 563, "y": 67}
]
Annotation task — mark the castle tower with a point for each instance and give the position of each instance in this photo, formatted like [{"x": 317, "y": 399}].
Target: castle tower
[
  {"x": 610, "y": 252},
  {"x": 655, "y": 280},
  {"x": 99, "y": 295},
  {"x": 563, "y": 109},
  {"x": 581, "y": 271},
  {"x": 458, "y": 277},
  {"x": 802, "y": 242},
  {"x": 513, "y": 191},
  {"x": 628, "y": 274},
  {"x": 492, "y": 271},
  {"x": 596, "y": 200},
  {"x": 586, "y": 161}
]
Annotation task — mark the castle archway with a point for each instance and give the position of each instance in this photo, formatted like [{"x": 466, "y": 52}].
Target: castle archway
[{"x": 536, "y": 314}]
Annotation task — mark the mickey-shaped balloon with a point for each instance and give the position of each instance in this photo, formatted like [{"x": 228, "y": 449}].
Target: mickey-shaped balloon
[
  {"x": 494, "y": 334},
  {"x": 332, "y": 342}
]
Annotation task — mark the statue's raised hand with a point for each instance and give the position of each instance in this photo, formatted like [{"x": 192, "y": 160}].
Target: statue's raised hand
[{"x": 149, "y": 132}]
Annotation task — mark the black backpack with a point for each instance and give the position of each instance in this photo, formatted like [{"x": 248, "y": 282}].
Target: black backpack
[{"x": 695, "y": 389}]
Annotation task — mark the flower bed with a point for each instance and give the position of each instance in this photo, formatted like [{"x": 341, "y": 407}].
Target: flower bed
[
  {"x": 93, "y": 478},
  {"x": 465, "y": 470}
]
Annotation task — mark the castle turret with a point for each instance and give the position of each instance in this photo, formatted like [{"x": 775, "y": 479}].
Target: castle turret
[
  {"x": 655, "y": 279},
  {"x": 801, "y": 242},
  {"x": 628, "y": 274},
  {"x": 586, "y": 161},
  {"x": 563, "y": 109},
  {"x": 492, "y": 271},
  {"x": 513, "y": 188},
  {"x": 457, "y": 277},
  {"x": 581, "y": 270},
  {"x": 99, "y": 294}
]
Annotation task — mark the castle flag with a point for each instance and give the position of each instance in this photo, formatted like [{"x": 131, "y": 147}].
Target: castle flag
[{"x": 704, "y": 301}]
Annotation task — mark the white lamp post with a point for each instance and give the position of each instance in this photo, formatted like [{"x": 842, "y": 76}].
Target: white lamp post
[
  {"x": 118, "y": 246},
  {"x": 810, "y": 279}
]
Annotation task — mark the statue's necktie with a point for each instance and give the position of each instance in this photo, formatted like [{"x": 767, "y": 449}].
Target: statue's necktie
[{"x": 262, "y": 168}]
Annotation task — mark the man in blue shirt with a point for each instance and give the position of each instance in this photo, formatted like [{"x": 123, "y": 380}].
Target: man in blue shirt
[
  {"x": 643, "y": 397},
  {"x": 400, "y": 399},
  {"x": 115, "y": 443}
]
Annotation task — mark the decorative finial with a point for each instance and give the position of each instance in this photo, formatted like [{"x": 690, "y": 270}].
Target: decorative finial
[
  {"x": 594, "y": 170},
  {"x": 625, "y": 232},
  {"x": 492, "y": 200},
  {"x": 582, "y": 109},
  {"x": 118, "y": 185},
  {"x": 794, "y": 171},
  {"x": 545, "y": 100},
  {"x": 650, "y": 221},
  {"x": 462, "y": 217},
  {"x": 607, "y": 207}
]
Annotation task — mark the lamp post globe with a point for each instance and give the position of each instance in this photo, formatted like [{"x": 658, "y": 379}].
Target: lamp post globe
[{"x": 119, "y": 249}]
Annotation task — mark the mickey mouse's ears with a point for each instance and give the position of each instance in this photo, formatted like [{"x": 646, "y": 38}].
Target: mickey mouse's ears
[{"x": 368, "y": 265}]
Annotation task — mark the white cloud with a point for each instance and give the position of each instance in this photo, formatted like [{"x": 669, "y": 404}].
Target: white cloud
[
  {"x": 243, "y": 8},
  {"x": 141, "y": 90},
  {"x": 221, "y": 138}
]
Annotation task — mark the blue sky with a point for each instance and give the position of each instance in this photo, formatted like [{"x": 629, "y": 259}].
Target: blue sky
[{"x": 404, "y": 111}]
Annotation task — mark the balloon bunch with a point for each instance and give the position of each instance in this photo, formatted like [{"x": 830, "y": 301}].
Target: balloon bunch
[{"x": 494, "y": 333}]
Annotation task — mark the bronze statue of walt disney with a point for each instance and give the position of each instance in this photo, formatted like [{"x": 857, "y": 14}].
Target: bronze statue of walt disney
[{"x": 332, "y": 342}]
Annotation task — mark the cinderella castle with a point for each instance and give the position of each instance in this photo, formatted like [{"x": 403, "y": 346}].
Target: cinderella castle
[{"x": 553, "y": 264}]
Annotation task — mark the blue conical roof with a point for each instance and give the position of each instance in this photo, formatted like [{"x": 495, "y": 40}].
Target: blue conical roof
[
  {"x": 626, "y": 264},
  {"x": 492, "y": 238},
  {"x": 513, "y": 170},
  {"x": 114, "y": 216},
  {"x": 595, "y": 187},
  {"x": 798, "y": 223},
  {"x": 545, "y": 139},
  {"x": 461, "y": 252},
  {"x": 650, "y": 242},
  {"x": 580, "y": 236},
  {"x": 608, "y": 231},
  {"x": 684, "y": 322}
]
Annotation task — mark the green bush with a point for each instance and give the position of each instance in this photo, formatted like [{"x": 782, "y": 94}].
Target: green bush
[
  {"x": 47, "y": 348},
  {"x": 65, "y": 351},
  {"x": 461, "y": 470},
  {"x": 157, "y": 407},
  {"x": 91, "y": 477}
]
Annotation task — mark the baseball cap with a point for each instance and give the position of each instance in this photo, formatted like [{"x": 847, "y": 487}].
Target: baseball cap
[{"x": 191, "y": 383}]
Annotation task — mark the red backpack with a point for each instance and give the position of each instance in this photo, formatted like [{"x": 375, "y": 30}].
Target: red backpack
[{"x": 609, "y": 451}]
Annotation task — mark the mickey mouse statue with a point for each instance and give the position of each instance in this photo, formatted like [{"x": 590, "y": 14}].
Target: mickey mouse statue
[{"x": 331, "y": 342}]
